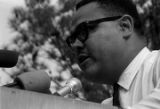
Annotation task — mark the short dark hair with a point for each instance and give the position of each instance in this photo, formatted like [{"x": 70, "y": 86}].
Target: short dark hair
[{"x": 118, "y": 7}]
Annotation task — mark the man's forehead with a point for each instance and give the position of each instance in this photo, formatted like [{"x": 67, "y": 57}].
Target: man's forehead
[{"x": 89, "y": 11}]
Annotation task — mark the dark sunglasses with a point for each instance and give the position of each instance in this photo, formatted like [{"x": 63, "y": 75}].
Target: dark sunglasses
[{"x": 82, "y": 30}]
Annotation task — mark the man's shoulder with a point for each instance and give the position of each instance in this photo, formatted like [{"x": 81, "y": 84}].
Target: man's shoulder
[
  {"x": 152, "y": 64},
  {"x": 156, "y": 66},
  {"x": 153, "y": 57}
]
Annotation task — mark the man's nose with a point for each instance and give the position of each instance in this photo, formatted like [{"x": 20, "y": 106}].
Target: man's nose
[{"x": 77, "y": 44}]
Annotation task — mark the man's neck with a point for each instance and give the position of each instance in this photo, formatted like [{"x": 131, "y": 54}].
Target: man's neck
[{"x": 133, "y": 47}]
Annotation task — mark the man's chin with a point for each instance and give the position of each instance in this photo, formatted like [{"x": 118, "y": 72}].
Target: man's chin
[
  {"x": 98, "y": 78},
  {"x": 92, "y": 71},
  {"x": 99, "y": 81},
  {"x": 93, "y": 77}
]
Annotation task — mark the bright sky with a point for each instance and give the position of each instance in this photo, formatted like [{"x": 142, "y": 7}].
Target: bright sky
[{"x": 6, "y": 6}]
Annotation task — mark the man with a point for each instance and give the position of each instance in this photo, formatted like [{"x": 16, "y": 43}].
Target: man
[{"x": 107, "y": 36}]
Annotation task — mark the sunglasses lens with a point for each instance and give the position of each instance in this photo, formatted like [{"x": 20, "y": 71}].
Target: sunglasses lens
[{"x": 82, "y": 32}]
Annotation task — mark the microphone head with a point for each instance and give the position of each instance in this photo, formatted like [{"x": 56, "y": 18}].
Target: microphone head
[
  {"x": 38, "y": 81},
  {"x": 8, "y": 58},
  {"x": 74, "y": 84}
]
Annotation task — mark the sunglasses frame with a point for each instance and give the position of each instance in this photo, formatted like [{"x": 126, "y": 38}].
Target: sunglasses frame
[{"x": 85, "y": 27}]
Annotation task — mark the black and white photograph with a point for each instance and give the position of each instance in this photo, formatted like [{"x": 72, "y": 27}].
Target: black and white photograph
[{"x": 79, "y": 54}]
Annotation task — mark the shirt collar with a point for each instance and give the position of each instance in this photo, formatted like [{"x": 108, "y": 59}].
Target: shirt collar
[{"x": 130, "y": 72}]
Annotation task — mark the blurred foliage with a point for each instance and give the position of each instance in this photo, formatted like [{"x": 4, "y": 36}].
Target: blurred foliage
[
  {"x": 41, "y": 29},
  {"x": 150, "y": 15},
  {"x": 41, "y": 32}
]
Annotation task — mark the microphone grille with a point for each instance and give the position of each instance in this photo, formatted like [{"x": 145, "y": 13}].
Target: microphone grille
[{"x": 75, "y": 85}]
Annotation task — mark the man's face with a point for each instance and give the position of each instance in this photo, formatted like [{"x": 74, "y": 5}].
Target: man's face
[{"x": 99, "y": 55}]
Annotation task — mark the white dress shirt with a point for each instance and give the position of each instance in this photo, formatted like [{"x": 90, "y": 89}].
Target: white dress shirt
[{"x": 140, "y": 82}]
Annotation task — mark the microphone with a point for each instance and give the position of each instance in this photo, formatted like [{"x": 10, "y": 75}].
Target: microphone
[
  {"x": 38, "y": 81},
  {"x": 72, "y": 86},
  {"x": 8, "y": 58}
]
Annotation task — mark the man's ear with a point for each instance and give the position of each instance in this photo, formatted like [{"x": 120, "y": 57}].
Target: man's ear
[{"x": 126, "y": 25}]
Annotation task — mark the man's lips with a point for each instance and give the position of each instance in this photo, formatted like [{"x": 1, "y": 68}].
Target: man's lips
[{"x": 82, "y": 57}]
